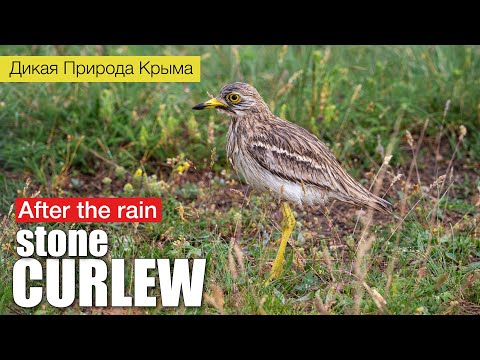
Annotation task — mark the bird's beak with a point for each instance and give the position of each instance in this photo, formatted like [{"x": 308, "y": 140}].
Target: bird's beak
[{"x": 210, "y": 104}]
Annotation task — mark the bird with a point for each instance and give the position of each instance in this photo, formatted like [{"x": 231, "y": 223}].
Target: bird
[{"x": 276, "y": 155}]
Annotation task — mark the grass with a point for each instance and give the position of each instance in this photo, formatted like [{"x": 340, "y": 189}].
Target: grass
[{"x": 90, "y": 139}]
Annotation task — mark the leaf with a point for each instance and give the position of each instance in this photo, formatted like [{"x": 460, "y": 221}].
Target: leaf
[
  {"x": 194, "y": 252},
  {"x": 447, "y": 296},
  {"x": 300, "y": 239},
  {"x": 304, "y": 298},
  {"x": 473, "y": 266},
  {"x": 451, "y": 256},
  {"x": 143, "y": 137},
  {"x": 279, "y": 295}
]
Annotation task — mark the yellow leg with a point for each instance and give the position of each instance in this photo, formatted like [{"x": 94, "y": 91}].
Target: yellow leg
[{"x": 288, "y": 222}]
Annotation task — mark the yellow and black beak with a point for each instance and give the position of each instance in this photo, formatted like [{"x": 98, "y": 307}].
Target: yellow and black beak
[{"x": 210, "y": 104}]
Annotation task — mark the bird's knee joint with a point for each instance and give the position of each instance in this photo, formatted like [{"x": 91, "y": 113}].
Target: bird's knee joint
[
  {"x": 288, "y": 221},
  {"x": 291, "y": 220}
]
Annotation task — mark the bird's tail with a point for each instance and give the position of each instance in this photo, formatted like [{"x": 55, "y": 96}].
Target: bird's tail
[
  {"x": 376, "y": 203},
  {"x": 368, "y": 200},
  {"x": 358, "y": 195}
]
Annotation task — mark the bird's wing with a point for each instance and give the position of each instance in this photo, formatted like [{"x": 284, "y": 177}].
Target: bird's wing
[{"x": 292, "y": 153}]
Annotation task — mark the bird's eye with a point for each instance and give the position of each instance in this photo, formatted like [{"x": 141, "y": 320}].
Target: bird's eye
[{"x": 233, "y": 98}]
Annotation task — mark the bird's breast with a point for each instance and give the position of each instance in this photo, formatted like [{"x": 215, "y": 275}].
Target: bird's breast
[
  {"x": 237, "y": 152},
  {"x": 234, "y": 143}
]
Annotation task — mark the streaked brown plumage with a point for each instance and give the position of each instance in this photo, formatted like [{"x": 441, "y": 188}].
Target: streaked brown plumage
[
  {"x": 274, "y": 154},
  {"x": 277, "y": 155}
]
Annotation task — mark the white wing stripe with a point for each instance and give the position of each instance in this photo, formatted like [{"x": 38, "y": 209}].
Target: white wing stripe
[{"x": 298, "y": 157}]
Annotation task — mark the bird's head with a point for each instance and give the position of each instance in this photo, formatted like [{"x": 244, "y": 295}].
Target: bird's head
[{"x": 237, "y": 99}]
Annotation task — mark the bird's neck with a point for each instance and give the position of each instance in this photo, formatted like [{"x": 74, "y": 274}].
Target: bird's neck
[
  {"x": 248, "y": 125},
  {"x": 251, "y": 118}
]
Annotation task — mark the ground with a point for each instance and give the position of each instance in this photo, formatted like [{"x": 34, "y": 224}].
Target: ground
[{"x": 417, "y": 104}]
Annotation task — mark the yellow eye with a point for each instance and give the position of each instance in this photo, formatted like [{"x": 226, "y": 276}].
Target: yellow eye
[{"x": 233, "y": 98}]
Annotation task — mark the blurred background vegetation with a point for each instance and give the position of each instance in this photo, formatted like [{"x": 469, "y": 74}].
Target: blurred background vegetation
[
  {"x": 94, "y": 139},
  {"x": 349, "y": 96}
]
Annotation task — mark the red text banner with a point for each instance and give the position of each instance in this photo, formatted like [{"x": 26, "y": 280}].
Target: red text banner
[{"x": 88, "y": 209}]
